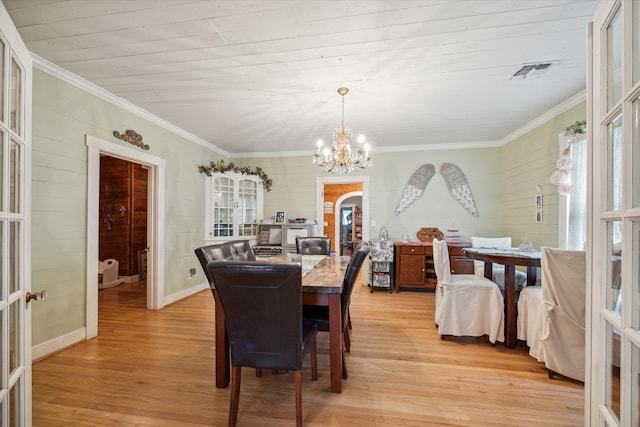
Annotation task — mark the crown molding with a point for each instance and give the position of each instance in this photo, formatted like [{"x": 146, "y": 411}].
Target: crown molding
[
  {"x": 56, "y": 71},
  {"x": 540, "y": 120},
  {"x": 77, "y": 81}
]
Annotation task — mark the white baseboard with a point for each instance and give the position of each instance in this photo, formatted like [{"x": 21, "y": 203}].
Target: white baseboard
[
  {"x": 41, "y": 350},
  {"x": 57, "y": 344},
  {"x": 169, "y": 299}
]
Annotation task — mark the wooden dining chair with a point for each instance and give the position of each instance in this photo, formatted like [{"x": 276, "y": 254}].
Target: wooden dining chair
[
  {"x": 320, "y": 245},
  {"x": 262, "y": 304},
  {"x": 466, "y": 304}
]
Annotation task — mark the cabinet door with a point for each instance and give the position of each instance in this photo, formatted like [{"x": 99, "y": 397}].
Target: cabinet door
[
  {"x": 247, "y": 207},
  {"x": 222, "y": 194},
  {"x": 234, "y": 205},
  {"x": 461, "y": 265},
  {"x": 412, "y": 270}
]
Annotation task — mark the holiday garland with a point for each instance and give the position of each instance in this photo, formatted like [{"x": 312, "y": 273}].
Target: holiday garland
[{"x": 245, "y": 170}]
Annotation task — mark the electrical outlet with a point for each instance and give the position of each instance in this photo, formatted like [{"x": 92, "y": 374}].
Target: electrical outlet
[{"x": 192, "y": 272}]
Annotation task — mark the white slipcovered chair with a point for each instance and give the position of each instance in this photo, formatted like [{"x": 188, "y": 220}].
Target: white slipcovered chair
[
  {"x": 551, "y": 316},
  {"x": 498, "y": 269},
  {"x": 466, "y": 304}
]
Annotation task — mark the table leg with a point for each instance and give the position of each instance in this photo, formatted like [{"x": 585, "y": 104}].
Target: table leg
[
  {"x": 510, "y": 309},
  {"x": 223, "y": 367},
  {"x": 532, "y": 276},
  {"x": 488, "y": 270},
  {"x": 335, "y": 342}
]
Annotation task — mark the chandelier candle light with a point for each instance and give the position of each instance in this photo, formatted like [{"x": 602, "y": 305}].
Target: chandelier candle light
[{"x": 340, "y": 158}]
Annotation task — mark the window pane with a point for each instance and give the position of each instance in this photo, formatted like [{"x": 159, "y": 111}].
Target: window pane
[
  {"x": 614, "y": 165},
  {"x": 613, "y": 377},
  {"x": 15, "y": 107},
  {"x": 614, "y": 60},
  {"x": 614, "y": 241},
  {"x": 635, "y": 168},
  {"x": 14, "y": 256},
  {"x": 14, "y": 176}
]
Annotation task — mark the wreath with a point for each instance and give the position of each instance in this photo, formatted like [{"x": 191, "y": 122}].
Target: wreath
[{"x": 245, "y": 170}]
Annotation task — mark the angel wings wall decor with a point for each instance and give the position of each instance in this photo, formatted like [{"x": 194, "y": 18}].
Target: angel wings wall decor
[{"x": 453, "y": 176}]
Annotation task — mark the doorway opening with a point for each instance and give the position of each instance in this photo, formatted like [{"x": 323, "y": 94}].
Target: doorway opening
[
  {"x": 328, "y": 207},
  {"x": 155, "y": 168}
]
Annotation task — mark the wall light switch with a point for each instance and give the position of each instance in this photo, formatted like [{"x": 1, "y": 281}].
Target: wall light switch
[{"x": 373, "y": 222}]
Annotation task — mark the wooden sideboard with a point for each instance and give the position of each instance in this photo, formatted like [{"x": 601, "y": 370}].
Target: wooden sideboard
[{"x": 414, "y": 264}]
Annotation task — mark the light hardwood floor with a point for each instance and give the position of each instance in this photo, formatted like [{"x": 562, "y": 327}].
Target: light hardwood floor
[{"x": 156, "y": 368}]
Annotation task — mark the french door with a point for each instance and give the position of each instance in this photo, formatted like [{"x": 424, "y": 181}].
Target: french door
[{"x": 613, "y": 386}]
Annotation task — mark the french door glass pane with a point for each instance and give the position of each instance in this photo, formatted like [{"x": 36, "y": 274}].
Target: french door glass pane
[
  {"x": 635, "y": 16},
  {"x": 14, "y": 176},
  {"x": 635, "y": 168},
  {"x": 635, "y": 386},
  {"x": 14, "y": 405},
  {"x": 2, "y": 49},
  {"x": 614, "y": 276},
  {"x": 14, "y": 336},
  {"x": 615, "y": 163},
  {"x": 635, "y": 265},
  {"x": 15, "y": 108},
  {"x": 613, "y": 377},
  {"x": 2, "y": 164},
  {"x": 14, "y": 256},
  {"x": 614, "y": 60}
]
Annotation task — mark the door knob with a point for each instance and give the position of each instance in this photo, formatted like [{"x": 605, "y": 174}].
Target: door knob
[{"x": 38, "y": 296}]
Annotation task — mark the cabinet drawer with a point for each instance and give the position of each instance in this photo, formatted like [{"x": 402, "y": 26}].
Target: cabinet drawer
[{"x": 412, "y": 250}]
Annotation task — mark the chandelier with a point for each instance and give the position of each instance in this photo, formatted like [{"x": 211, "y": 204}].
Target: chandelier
[{"x": 340, "y": 158}]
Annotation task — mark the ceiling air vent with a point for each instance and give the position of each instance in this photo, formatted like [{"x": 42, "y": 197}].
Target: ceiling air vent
[{"x": 531, "y": 70}]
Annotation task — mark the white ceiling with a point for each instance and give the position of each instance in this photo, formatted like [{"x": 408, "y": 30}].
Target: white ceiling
[{"x": 261, "y": 76}]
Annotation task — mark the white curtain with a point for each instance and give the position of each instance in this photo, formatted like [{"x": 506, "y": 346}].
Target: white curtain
[{"x": 577, "y": 198}]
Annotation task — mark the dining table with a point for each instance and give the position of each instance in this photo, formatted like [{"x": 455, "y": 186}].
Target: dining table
[
  {"x": 510, "y": 258},
  {"x": 322, "y": 277}
]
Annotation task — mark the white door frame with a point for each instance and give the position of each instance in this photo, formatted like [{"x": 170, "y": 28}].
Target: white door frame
[
  {"x": 155, "y": 223},
  {"x": 321, "y": 181},
  {"x": 338, "y": 218}
]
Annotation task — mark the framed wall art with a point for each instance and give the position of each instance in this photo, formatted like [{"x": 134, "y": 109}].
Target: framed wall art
[
  {"x": 539, "y": 201},
  {"x": 538, "y": 216},
  {"x": 280, "y": 215}
]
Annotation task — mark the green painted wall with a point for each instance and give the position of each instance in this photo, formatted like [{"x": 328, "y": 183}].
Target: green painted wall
[
  {"x": 62, "y": 116},
  {"x": 294, "y": 190},
  {"x": 526, "y": 163}
]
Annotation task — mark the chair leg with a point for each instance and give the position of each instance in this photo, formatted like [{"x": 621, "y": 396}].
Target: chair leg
[
  {"x": 299, "y": 398},
  {"x": 349, "y": 314},
  {"x": 345, "y": 374},
  {"x": 314, "y": 359},
  {"x": 235, "y": 395},
  {"x": 347, "y": 340},
  {"x": 258, "y": 372}
]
